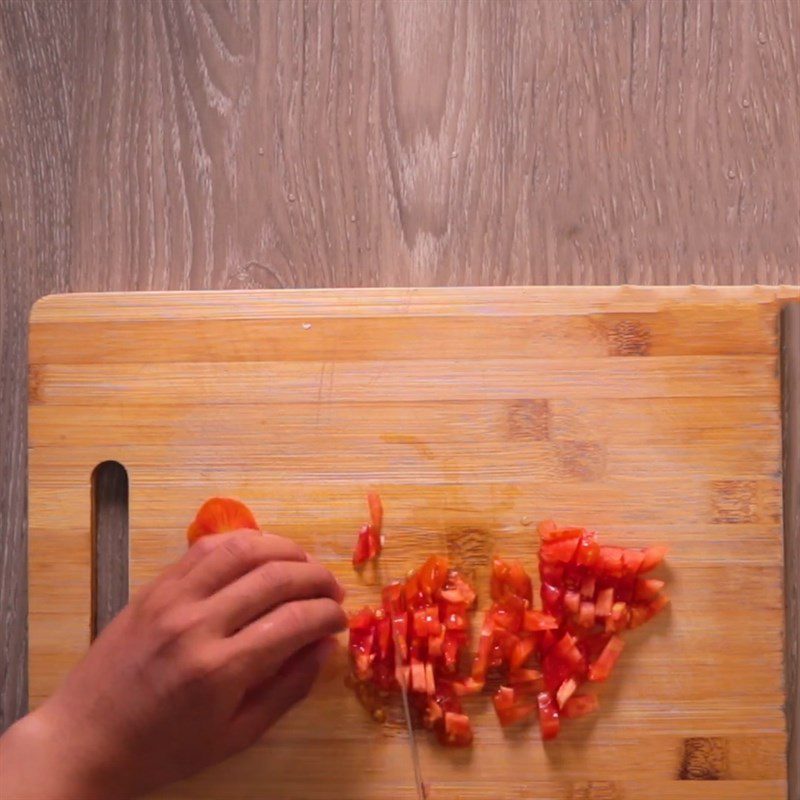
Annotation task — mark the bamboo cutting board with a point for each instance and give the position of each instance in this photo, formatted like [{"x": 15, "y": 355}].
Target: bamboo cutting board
[{"x": 650, "y": 414}]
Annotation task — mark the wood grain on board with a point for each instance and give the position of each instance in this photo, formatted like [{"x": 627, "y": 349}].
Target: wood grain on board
[
  {"x": 643, "y": 412},
  {"x": 178, "y": 145}
]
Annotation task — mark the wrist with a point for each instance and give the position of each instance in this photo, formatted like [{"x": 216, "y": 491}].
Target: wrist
[{"x": 42, "y": 760}]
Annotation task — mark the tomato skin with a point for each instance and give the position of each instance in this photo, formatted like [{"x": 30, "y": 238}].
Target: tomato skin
[
  {"x": 548, "y": 716},
  {"x": 220, "y": 515}
]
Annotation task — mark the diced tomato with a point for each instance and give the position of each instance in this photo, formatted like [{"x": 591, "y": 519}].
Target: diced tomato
[
  {"x": 522, "y": 650},
  {"x": 521, "y": 675},
  {"x": 450, "y": 650},
  {"x": 454, "y": 616},
  {"x": 430, "y": 680},
  {"x": 605, "y": 601},
  {"x": 468, "y": 686},
  {"x": 221, "y": 515},
  {"x": 632, "y": 559},
  {"x": 510, "y": 578},
  {"x": 551, "y": 599},
  {"x": 601, "y": 668},
  {"x": 610, "y": 561},
  {"x": 458, "y": 591},
  {"x": 572, "y": 601},
  {"x": 366, "y": 547},
  {"x": 559, "y": 551},
  {"x": 555, "y": 671},
  {"x": 362, "y": 620},
  {"x": 567, "y": 650},
  {"x": 400, "y": 633},
  {"x": 433, "y": 575},
  {"x": 653, "y": 556},
  {"x": 548, "y": 716},
  {"x": 648, "y": 588},
  {"x": 511, "y": 709},
  {"x": 375, "y": 510},
  {"x": 537, "y": 621},
  {"x": 586, "y": 614},
  {"x": 588, "y": 587},
  {"x": 588, "y": 551},
  {"x": 457, "y": 730},
  {"x": 565, "y": 691},
  {"x": 384, "y": 633},
  {"x": 549, "y": 532},
  {"x": 579, "y": 705},
  {"x": 392, "y": 597}
]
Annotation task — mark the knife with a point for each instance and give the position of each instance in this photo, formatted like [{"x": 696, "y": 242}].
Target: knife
[{"x": 402, "y": 674}]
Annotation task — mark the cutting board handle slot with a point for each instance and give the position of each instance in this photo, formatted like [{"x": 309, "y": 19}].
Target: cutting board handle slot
[{"x": 109, "y": 542}]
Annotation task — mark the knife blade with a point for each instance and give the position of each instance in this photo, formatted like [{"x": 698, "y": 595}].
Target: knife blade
[{"x": 402, "y": 674}]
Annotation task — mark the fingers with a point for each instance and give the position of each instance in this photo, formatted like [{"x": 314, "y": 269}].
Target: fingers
[
  {"x": 259, "y": 649},
  {"x": 222, "y": 562},
  {"x": 264, "y": 706},
  {"x": 268, "y": 586}
]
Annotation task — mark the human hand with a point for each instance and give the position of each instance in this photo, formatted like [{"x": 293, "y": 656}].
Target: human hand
[{"x": 200, "y": 663}]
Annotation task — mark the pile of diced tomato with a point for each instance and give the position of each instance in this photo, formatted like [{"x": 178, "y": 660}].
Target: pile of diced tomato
[
  {"x": 590, "y": 593},
  {"x": 416, "y": 637}
]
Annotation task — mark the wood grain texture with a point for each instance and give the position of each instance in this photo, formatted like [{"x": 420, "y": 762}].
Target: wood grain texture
[
  {"x": 611, "y": 421},
  {"x": 157, "y": 145},
  {"x": 790, "y": 378}
]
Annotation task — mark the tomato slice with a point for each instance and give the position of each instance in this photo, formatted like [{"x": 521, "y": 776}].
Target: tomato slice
[
  {"x": 221, "y": 515},
  {"x": 548, "y": 716}
]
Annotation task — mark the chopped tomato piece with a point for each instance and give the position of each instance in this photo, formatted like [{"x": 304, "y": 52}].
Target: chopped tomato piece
[
  {"x": 648, "y": 588},
  {"x": 579, "y": 705},
  {"x": 588, "y": 551},
  {"x": 369, "y": 543},
  {"x": 457, "y": 730},
  {"x": 572, "y": 601},
  {"x": 510, "y": 578},
  {"x": 605, "y": 602},
  {"x": 586, "y": 614},
  {"x": 559, "y": 550},
  {"x": 548, "y": 716},
  {"x": 468, "y": 686},
  {"x": 601, "y": 669},
  {"x": 632, "y": 559},
  {"x": 221, "y": 515},
  {"x": 522, "y": 675},
  {"x": 375, "y": 510},
  {"x": 433, "y": 575},
  {"x": 653, "y": 556},
  {"x": 565, "y": 691},
  {"x": 522, "y": 650},
  {"x": 537, "y": 621}
]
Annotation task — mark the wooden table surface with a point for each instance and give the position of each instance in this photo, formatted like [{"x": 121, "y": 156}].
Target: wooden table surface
[{"x": 178, "y": 145}]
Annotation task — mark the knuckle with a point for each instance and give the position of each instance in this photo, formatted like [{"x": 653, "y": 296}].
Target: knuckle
[
  {"x": 199, "y": 669},
  {"x": 204, "y": 545},
  {"x": 277, "y": 579},
  {"x": 172, "y": 625},
  {"x": 241, "y": 547}
]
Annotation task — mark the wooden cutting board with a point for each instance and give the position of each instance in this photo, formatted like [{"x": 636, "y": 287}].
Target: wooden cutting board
[{"x": 650, "y": 414}]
